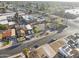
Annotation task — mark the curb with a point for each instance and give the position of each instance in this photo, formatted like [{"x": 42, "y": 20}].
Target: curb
[{"x": 7, "y": 46}]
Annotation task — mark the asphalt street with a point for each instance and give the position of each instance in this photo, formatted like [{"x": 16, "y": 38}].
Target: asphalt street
[
  {"x": 71, "y": 29},
  {"x": 10, "y": 52}
]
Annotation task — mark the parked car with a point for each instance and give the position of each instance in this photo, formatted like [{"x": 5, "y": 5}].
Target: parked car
[
  {"x": 77, "y": 35},
  {"x": 27, "y": 38},
  {"x": 51, "y": 41},
  {"x": 36, "y": 46}
]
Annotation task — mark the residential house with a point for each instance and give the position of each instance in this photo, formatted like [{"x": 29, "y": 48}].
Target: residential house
[
  {"x": 28, "y": 18},
  {"x": 7, "y": 33},
  {"x": 4, "y": 22},
  {"x": 11, "y": 24},
  {"x": 13, "y": 32},
  {"x": 21, "y": 39},
  {"x": 29, "y": 29},
  {"x": 22, "y": 32},
  {"x": 25, "y": 17}
]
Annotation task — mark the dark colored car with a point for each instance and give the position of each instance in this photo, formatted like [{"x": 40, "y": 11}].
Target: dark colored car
[
  {"x": 36, "y": 46},
  {"x": 51, "y": 41}
]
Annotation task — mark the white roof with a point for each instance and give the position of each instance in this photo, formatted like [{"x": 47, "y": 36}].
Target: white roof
[
  {"x": 72, "y": 11},
  {"x": 25, "y": 17},
  {"x": 4, "y": 22},
  {"x": 2, "y": 17},
  {"x": 28, "y": 27},
  {"x": 13, "y": 32},
  {"x": 11, "y": 23}
]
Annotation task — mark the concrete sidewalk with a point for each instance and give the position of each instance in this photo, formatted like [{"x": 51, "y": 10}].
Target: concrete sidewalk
[{"x": 7, "y": 46}]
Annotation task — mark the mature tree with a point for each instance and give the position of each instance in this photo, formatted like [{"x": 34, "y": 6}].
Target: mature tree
[{"x": 3, "y": 27}]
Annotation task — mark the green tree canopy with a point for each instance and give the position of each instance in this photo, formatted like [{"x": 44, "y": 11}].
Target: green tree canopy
[{"x": 3, "y": 27}]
